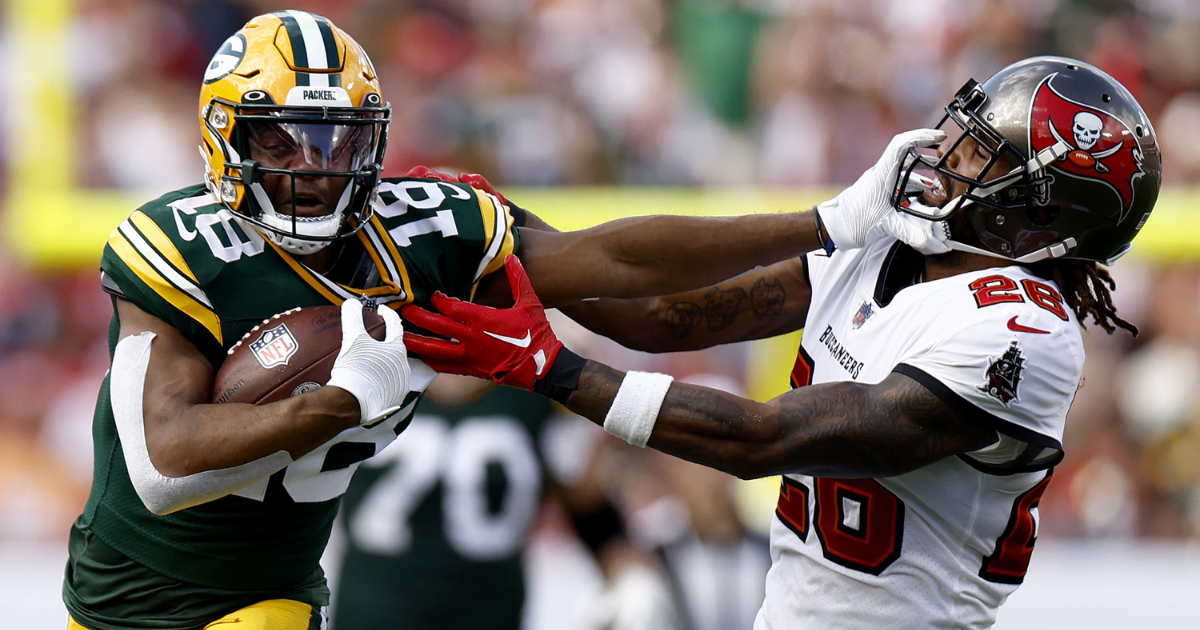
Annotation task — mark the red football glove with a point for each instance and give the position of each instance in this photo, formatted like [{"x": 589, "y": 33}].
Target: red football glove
[
  {"x": 470, "y": 179},
  {"x": 511, "y": 346}
]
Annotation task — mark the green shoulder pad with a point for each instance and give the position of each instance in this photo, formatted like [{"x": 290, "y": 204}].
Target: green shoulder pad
[
  {"x": 451, "y": 233},
  {"x": 164, "y": 255}
]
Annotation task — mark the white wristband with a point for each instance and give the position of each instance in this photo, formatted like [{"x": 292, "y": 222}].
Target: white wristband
[{"x": 635, "y": 407}]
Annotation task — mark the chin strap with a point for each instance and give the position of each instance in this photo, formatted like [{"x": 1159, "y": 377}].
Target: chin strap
[
  {"x": 1047, "y": 155},
  {"x": 1039, "y": 162},
  {"x": 1054, "y": 250},
  {"x": 295, "y": 246},
  {"x": 279, "y": 224}
]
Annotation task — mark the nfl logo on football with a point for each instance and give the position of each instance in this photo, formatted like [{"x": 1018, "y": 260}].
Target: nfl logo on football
[{"x": 274, "y": 347}]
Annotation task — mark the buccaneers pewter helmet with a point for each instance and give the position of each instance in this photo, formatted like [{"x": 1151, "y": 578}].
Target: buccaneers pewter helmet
[
  {"x": 1085, "y": 164},
  {"x": 295, "y": 83}
]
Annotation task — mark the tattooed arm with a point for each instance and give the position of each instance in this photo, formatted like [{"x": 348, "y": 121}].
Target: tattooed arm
[
  {"x": 761, "y": 303},
  {"x": 835, "y": 429},
  {"x": 843, "y": 429}
]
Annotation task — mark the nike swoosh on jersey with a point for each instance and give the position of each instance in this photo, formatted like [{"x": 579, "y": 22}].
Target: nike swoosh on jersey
[
  {"x": 1015, "y": 327},
  {"x": 516, "y": 341}
]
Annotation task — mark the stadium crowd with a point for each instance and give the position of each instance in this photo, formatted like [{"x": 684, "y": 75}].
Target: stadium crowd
[{"x": 641, "y": 92}]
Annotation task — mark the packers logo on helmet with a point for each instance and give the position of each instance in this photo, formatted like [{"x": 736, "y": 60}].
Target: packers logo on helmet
[
  {"x": 227, "y": 58},
  {"x": 293, "y": 129}
]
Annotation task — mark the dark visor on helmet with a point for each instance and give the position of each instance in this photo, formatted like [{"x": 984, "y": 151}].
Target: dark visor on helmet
[
  {"x": 341, "y": 143},
  {"x": 321, "y": 146}
]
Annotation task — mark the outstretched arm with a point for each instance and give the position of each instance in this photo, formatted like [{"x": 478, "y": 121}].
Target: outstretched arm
[
  {"x": 758, "y": 304},
  {"x": 835, "y": 429},
  {"x": 649, "y": 256},
  {"x": 761, "y": 303},
  {"x": 660, "y": 255}
]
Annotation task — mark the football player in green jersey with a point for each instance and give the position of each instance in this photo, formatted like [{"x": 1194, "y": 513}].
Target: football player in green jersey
[
  {"x": 442, "y": 516},
  {"x": 204, "y": 514}
]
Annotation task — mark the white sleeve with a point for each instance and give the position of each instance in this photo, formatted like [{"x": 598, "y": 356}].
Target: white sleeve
[
  {"x": 1018, "y": 382},
  {"x": 162, "y": 494}
]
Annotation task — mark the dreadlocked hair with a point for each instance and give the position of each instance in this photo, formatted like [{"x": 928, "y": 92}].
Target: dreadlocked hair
[{"x": 1087, "y": 288}]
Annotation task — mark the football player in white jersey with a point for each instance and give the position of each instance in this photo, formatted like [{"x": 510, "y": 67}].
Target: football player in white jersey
[{"x": 942, "y": 351}]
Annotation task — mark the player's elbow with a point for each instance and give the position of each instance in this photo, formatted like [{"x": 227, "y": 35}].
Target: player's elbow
[
  {"x": 163, "y": 494},
  {"x": 746, "y": 461},
  {"x": 157, "y": 493},
  {"x": 161, "y": 488},
  {"x": 748, "y": 473},
  {"x": 159, "y": 507},
  {"x": 747, "y": 468}
]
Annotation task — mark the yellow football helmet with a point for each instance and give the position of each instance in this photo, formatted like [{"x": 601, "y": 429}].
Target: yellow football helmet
[{"x": 294, "y": 129}]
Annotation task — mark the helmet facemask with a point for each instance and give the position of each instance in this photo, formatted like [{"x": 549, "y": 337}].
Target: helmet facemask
[
  {"x": 291, "y": 160},
  {"x": 990, "y": 192}
]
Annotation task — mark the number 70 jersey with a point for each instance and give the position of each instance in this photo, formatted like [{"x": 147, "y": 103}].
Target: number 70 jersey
[{"x": 944, "y": 545}]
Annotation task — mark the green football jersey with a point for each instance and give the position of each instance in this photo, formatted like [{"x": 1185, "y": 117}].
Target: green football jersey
[
  {"x": 187, "y": 260},
  {"x": 436, "y": 523}
]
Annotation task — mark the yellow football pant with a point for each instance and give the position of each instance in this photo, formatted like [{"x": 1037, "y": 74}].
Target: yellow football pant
[{"x": 273, "y": 614}]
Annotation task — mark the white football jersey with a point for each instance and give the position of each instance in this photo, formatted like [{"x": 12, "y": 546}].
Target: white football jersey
[{"x": 942, "y": 546}]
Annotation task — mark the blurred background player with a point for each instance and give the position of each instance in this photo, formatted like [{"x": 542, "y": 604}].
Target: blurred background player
[
  {"x": 433, "y": 528},
  {"x": 715, "y": 564}
]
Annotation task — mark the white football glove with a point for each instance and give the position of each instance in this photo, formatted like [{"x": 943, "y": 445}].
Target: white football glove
[
  {"x": 848, "y": 217},
  {"x": 923, "y": 235},
  {"x": 376, "y": 372}
]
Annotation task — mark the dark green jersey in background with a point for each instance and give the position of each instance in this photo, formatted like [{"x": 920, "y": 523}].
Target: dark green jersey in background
[{"x": 436, "y": 523}]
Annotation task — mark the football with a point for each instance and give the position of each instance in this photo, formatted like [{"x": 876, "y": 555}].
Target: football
[{"x": 288, "y": 354}]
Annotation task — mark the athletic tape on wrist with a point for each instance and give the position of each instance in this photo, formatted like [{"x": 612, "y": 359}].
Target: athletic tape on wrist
[
  {"x": 635, "y": 407},
  {"x": 563, "y": 377}
]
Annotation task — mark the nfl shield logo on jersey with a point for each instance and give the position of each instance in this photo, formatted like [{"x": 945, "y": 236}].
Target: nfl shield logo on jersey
[
  {"x": 1004, "y": 375},
  {"x": 274, "y": 347},
  {"x": 864, "y": 312}
]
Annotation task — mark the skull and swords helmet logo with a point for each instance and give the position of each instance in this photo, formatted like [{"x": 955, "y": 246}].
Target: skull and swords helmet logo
[{"x": 1103, "y": 146}]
